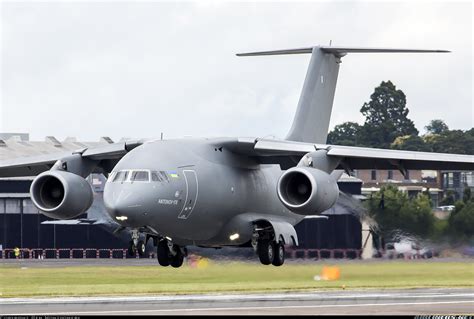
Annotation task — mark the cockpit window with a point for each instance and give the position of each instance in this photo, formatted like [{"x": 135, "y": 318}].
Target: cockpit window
[
  {"x": 165, "y": 176},
  {"x": 121, "y": 176},
  {"x": 111, "y": 176},
  {"x": 159, "y": 176},
  {"x": 140, "y": 176},
  {"x": 134, "y": 175},
  {"x": 155, "y": 177}
]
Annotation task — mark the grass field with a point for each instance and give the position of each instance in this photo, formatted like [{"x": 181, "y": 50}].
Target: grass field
[{"x": 226, "y": 277}]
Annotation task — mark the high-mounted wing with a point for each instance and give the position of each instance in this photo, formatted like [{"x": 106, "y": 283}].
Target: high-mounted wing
[
  {"x": 373, "y": 158},
  {"x": 288, "y": 153}
]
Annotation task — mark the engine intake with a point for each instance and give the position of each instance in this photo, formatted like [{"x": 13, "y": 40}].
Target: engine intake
[
  {"x": 61, "y": 195},
  {"x": 307, "y": 191}
]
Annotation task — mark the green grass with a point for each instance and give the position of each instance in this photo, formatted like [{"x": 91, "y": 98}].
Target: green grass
[{"x": 226, "y": 277}]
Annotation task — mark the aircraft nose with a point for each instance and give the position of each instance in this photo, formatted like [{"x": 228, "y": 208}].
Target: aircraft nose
[
  {"x": 122, "y": 206},
  {"x": 112, "y": 207}
]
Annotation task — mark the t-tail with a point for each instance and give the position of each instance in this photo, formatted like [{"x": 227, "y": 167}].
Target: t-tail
[{"x": 311, "y": 122}]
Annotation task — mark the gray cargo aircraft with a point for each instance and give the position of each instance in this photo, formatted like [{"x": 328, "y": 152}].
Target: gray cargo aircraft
[{"x": 215, "y": 192}]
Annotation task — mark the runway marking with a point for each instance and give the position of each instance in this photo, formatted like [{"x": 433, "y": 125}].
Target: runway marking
[
  {"x": 247, "y": 308},
  {"x": 287, "y": 297}
]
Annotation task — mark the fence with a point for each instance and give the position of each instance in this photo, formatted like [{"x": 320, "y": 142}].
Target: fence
[
  {"x": 66, "y": 253},
  {"x": 96, "y": 253},
  {"x": 324, "y": 253}
]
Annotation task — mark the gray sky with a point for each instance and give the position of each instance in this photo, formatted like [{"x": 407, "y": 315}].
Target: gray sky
[{"x": 91, "y": 69}]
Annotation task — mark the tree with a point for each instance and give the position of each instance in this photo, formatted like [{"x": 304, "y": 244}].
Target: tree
[
  {"x": 470, "y": 133},
  {"x": 410, "y": 143},
  {"x": 461, "y": 221},
  {"x": 399, "y": 212},
  {"x": 387, "y": 126},
  {"x": 448, "y": 199},
  {"x": 436, "y": 127},
  {"x": 346, "y": 133},
  {"x": 466, "y": 197},
  {"x": 451, "y": 141},
  {"x": 386, "y": 116}
]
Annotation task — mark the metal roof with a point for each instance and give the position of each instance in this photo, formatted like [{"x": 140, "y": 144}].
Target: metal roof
[{"x": 16, "y": 146}]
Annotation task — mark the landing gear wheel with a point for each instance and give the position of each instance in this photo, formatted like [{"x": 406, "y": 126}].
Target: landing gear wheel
[
  {"x": 177, "y": 260},
  {"x": 279, "y": 254},
  {"x": 132, "y": 249},
  {"x": 163, "y": 253},
  {"x": 141, "y": 247},
  {"x": 266, "y": 251}
]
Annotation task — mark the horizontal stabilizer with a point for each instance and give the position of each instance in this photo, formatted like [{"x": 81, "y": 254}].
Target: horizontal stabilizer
[
  {"x": 378, "y": 50},
  {"x": 340, "y": 51}
]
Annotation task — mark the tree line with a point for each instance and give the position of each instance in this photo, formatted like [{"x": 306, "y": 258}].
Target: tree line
[
  {"x": 387, "y": 126},
  {"x": 394, "y": 211}
]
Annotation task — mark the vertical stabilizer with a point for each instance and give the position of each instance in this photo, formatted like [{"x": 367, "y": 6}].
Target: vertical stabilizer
[{"x": 311, "y": 122}]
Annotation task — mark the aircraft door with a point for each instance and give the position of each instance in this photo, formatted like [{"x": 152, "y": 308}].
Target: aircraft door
[{"x": 192, "y": 186}]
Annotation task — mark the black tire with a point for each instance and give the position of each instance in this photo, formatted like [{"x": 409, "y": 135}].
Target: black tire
[
  {"x": 177, "y": 260},
  {"x": 279, "y": 254},
  {"x": 141, "y": 247},
  {"x": 163, "y": 253},
  {"x": 131, "y": 249},
  {"x": 266, "y": 251}
]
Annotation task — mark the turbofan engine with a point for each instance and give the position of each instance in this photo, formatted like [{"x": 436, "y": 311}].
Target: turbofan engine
[
  {"x": 60, "y": 194},
  {"x": 307, "y": 190}
]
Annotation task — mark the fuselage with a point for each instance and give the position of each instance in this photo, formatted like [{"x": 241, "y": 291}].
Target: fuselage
[{"x": 193, "y": 191}]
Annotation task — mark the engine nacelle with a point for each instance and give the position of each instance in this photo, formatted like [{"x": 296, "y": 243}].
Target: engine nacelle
[
  {"x": 60, "y": 194},
  {"x": 307, "y": 190}
]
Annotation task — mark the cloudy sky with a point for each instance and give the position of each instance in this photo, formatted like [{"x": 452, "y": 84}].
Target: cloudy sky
[{"x": 135, "y": 69}]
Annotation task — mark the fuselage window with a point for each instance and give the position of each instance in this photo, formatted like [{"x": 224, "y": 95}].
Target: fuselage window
[{"x": 140, "y": 176}]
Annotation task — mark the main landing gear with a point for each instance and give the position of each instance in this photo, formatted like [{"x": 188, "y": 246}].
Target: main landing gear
[
  {"x": 269, "y": 251},
  {"x": 170, "y": 254}
]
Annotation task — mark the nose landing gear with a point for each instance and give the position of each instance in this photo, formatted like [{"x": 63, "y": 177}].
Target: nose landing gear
[
  {"x": 136, "y": 245},
  {"x": 170, "y": 254}
]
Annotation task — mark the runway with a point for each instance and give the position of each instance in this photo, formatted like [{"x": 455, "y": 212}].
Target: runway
[{"x": 353, "y": 302}]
